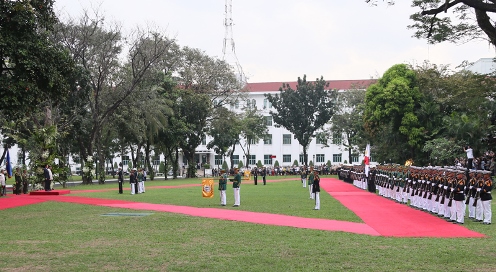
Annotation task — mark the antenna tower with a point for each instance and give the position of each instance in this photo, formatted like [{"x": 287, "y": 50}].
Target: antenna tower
[{"x": 229, "y": 49}]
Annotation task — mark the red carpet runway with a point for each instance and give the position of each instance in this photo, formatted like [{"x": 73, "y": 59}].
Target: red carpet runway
[{"x": 382, "y": 217}]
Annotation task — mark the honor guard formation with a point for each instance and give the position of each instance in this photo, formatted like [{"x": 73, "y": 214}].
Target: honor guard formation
[{"x": 442, "y": 191}]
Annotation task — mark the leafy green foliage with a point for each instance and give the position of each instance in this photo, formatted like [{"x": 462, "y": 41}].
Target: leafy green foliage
[
  {"x": 33, "y": 67},
  {"x": 392, "y": 101},
  {"x": 305, "y": 110}
]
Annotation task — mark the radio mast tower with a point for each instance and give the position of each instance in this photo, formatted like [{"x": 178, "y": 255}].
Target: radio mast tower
[{"x": 229, "y": 49}]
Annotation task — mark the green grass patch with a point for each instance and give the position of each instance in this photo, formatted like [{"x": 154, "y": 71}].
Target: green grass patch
[{"x": 55, "y": 236}]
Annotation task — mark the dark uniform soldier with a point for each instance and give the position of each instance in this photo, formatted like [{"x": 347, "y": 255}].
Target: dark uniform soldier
[
  {"x": 18, "y": 181},
  {"x": 485, "y": 197},
  {"x": 316, "y": 190},
  {"x": 255, "y": 175},
  {"x": 264, "y": 174},
  {"x": 459, "y": 198},
  {"x": 223, "y": 187},
  {"x": 25, "y": 181},
  {"x": 120, "y": 179}
]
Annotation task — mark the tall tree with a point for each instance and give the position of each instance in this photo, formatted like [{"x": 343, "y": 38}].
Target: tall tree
[
  {"x": 455, "y": 21},
  {"x": 33, "y": 67},
  {"x": 348, "y": 120},
  {"x": 305, "y": 110},
  {"x": 193, "y": 110},
  {"x": 392, "y": 102},
  {"x": 225, "y": 128},
  {"x": 253, "y": 129},
  {"x": 98, "y": 49}
]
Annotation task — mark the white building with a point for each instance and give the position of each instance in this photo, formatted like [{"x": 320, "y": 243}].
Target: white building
[
  {"x": 483, "y": 66},
  {"x": 280, "y": 145}
]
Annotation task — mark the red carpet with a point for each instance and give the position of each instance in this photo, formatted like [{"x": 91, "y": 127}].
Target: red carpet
[
  {"x": 390, "y": 218},
  {"x": 13, "y": 201},
  {"x": 382, "y": 217}
]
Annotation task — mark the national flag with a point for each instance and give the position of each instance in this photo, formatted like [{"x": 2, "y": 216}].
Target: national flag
[
  {"x": 367, "y": 160},
  {"x": 8, "y": 165},
  {"x": 208, "y": 188}
]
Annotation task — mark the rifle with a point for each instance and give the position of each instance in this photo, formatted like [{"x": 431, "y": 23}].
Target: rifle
[
  {"x": 419, "y": 185},
  {"x": 414, "y": 185},
  {"x": 469, "y": 193},
  {"x": 431, "y": 191},
  {"x": 426, "y": 190},
  {"x": 452, "y": 194},
  {"x": 477, "y": 195},
  {"x": 441, "y": 190}
]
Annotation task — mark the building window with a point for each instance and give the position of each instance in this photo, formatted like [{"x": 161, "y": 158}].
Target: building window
[
  {"x": 337, "y": 139},
  {"x": 248, "y": 103},
  {"x": 204, "y": 141},
  {"x": 320, "y": 158},
  {"x": 268, "y": 120},
  {"x": 336, "y": 157},
  {"x": 125, "y": 160},
  {"x": 218, "y": 159},
  {"x": 354, "y": 158},
  {"x": 286, "y": 139},
  {"x": 267, "y": 104},
  {"x": 286, "y": 158},
  {"x": 268, "y": 139},
  {"x": 252, "y": 141},
  {"x": 235, "y": 159},
  {"x": 253, "y": 103},
  {"x": 302, "y": 159},
  {"x": 268, "y": 159},
  {"x": 252, "y": 159}
]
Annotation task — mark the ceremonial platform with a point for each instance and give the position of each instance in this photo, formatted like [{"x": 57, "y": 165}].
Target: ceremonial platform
[{"x": 53, "y": 192}]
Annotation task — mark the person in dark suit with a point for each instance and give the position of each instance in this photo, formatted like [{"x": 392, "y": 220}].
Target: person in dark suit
[
  {"x": 120, "y": 179},
  {"x": 264, "y": 174},
  {"x": 316, "y": 190},
  {"x": 133, "y": 181},
  {"x": 255, "y": 175},
  {"x": 48, "y": 181}
]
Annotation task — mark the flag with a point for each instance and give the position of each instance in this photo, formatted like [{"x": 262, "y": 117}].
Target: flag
[
  {"x": 367, "y": 160},
  {"x": 208, "y": 188},
  {"x": 8, "y": 165}
]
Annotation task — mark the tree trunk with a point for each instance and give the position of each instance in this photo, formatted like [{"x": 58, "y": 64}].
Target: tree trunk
[
  {"x": 148, "y": 165},
  {"x": 175, "y": 164},
  {"x": 305, "y": 156},
  {"x": 190, "y": 157}
]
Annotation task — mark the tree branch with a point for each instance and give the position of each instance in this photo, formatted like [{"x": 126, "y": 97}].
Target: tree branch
[{"x": 476, "y": 4}]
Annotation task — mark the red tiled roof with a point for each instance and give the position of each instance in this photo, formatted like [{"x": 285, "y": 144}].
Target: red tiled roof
[{"x": 333, "y": 85}]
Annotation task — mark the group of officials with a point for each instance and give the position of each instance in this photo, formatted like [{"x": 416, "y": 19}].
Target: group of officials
[
  {"x": 137, "y": 178},
  {"x": 313, "y": 185},
  {"x": 224, "y": 177},
  {"x": 443, "y": 191}
]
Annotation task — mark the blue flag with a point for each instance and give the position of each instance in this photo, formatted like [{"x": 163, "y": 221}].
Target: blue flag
[{"x": 8, "y": 165}]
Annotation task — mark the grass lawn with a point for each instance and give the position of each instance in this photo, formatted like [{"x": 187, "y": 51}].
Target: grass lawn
[{"x": 55, "y": 236}]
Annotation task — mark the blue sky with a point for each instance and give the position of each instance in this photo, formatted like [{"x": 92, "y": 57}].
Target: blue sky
[{"x": 279, "y": 40}]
